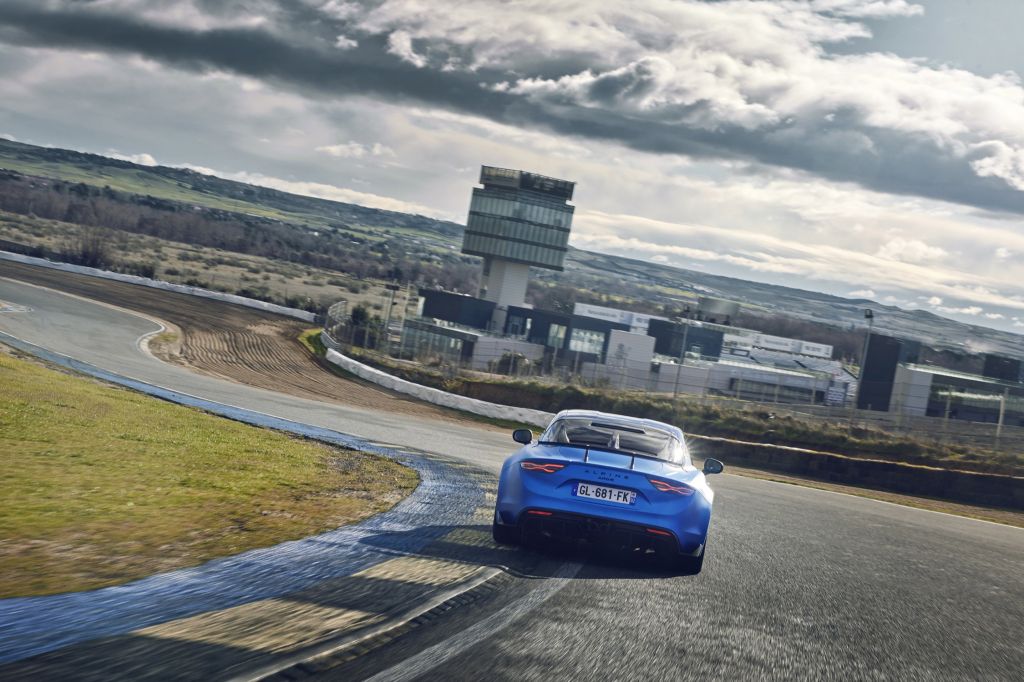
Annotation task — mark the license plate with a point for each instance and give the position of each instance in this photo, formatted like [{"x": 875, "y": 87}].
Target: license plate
[{"x": 600, "y": 492}]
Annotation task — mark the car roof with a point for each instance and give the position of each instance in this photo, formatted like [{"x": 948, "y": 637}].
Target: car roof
[{"x": 622, "y": 419}]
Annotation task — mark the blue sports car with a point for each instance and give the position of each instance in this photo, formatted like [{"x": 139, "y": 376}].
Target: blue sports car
[{"x": 610, "y": 480}]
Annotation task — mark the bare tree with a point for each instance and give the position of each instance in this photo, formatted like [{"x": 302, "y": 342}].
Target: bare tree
[{"x": 89, "y": 247}]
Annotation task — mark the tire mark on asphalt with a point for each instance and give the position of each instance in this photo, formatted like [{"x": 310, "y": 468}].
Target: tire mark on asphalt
[{"x": 428, "y": 659}]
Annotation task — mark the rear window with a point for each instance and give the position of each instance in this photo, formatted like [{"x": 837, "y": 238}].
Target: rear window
[{"x": 609, "y": 435}]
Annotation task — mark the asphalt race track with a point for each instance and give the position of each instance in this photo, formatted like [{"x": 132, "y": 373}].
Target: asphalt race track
[{"x": 798, "y": 583}]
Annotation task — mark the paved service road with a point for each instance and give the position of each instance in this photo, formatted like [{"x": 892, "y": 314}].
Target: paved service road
[
  {"x": 109, "y": 338},
  {"x": 798, "y": 582}
]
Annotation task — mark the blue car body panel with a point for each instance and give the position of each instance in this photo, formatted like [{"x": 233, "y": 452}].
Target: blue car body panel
[{"x": 657, "y": 508}]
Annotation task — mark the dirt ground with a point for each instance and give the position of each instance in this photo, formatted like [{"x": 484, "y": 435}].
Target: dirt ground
[{"x": 241, "y": 344}]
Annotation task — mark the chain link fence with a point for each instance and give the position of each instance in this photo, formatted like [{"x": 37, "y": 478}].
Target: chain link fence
[{"x": 947, "y": 415}]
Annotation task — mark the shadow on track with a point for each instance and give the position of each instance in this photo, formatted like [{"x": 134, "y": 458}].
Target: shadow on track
[{"x": 472, "y": 544}]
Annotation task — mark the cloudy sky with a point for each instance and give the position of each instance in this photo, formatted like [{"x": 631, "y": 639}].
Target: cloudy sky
[{"x": 869, "y": 148}]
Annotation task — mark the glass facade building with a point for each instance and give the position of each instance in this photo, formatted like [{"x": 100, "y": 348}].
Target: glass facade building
[{"x": 519, "y": 217}]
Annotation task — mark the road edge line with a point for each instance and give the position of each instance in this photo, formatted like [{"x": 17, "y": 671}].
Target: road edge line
[{"x": 353, "y": 639}]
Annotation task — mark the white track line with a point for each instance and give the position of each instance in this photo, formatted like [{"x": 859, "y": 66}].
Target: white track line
[
  {"x": 428, "y": 659},
  {"x": 349, "y": 641}
]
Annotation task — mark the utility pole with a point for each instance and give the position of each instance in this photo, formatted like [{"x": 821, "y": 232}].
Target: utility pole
[
  {"x": 682, "y": 352},
  {"x": 869, "y": 315},
  {"x": 391, "y": 289},
  {"x": 945, "y": 415},
  {"x": 1002, "y": 415}
]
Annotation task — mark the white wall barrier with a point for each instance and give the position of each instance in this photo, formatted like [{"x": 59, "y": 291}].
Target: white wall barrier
[
  {"x": 157, "y": 284},
  {"x": 438, "y": 397}
]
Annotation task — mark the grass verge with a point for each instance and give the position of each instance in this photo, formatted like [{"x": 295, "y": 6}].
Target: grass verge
[
  {"x": 756, "y": 425},
  {"x": 100, "y": 485}
]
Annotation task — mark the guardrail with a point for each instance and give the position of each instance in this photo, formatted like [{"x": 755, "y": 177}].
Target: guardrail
[{"x": 433, "y": 395}]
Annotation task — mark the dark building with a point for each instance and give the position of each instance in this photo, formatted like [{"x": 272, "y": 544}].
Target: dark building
[
  {"x": 457, "y": 308},
  {"x": 424, "y": 338},
  {"x": 561, "y": 332},
  {"x": 973, "y": 398},
  {"x": 586, "y": 336},
  {"x": 1002, "y": 368},
  {"x": 668, "y": 338},
  {"x": 878, "y": 375}
]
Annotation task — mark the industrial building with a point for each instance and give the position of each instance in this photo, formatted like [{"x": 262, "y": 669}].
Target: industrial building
[
  {"x": 518, "y": 220},
  {"x": 895, "y": 381}
]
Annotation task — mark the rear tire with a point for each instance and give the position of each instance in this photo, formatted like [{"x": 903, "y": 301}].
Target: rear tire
[{"x": 506, "y": 535}]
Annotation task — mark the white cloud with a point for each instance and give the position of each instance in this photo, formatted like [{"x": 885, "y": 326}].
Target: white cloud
[
  {"x": 758, "y": 255},
  {"x": 345, "y": 43},
  {"x": 736, "y": 218},
  {"x": 400, "y": 45},
  {"x": 8, "y": 136},
  {"x": 707, "y": 66},
  {"x": 869, "y": 8},
  {"x": 355, "y": 150},
  {"x": 910, "y": 251},
  {"x": 338, "y": 9},
  {"x": 142, "y": 159},
  {"x": 862, "y": 293},
  {"x": 187, "y": 14},
  {"x": 995, "y": 316},
  {"x": 325, "y": 191},
  {"x": 1001, "y": 160},
  {"x": 966, "y": 310},
  {"x": 347, "y": 150}
]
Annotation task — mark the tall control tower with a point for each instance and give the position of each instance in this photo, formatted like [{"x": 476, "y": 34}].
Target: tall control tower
[{"x": 517, "y": 219}]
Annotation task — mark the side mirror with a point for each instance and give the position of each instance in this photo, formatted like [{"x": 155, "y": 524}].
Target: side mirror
[
  {"x": 713, "y": 466},
  {"x": 524, "y": 436}
]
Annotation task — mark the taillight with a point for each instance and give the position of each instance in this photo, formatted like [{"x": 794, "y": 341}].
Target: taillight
[
  {"x": 542, "y": 467},
  {"x": 656, "y": 531},
  {"x": 666, "y": 487}
]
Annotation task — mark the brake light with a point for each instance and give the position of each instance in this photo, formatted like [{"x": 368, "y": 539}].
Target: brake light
[
  {"x": 655, "y": 531},
  {"x": 543, "y": 467},
  {"x": 666, "y": 487},
  {"x": 538, "y": 512}
]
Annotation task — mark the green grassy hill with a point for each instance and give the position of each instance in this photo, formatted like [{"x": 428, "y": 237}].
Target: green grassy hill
[{"x": 187, "y": 186}]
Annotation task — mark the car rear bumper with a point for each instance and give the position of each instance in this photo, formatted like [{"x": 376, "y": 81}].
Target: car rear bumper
[{"x": 602, "y": 531}]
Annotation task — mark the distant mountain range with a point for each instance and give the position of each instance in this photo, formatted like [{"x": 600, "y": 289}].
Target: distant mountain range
[
  {"x": 310, "y": 213},
  {"x": 934, "y": 330}
]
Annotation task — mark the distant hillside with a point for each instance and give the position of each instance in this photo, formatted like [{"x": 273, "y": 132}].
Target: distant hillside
[
  {"x": 179, "y": 184},
  {"x": 660, "y": 283},
  {"x": 934, "y": 330}
]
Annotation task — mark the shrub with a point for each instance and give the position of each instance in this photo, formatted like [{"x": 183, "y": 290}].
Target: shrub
[
  {"x": 694, "y": 416},
  {"x": 90, "y": 247}
]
